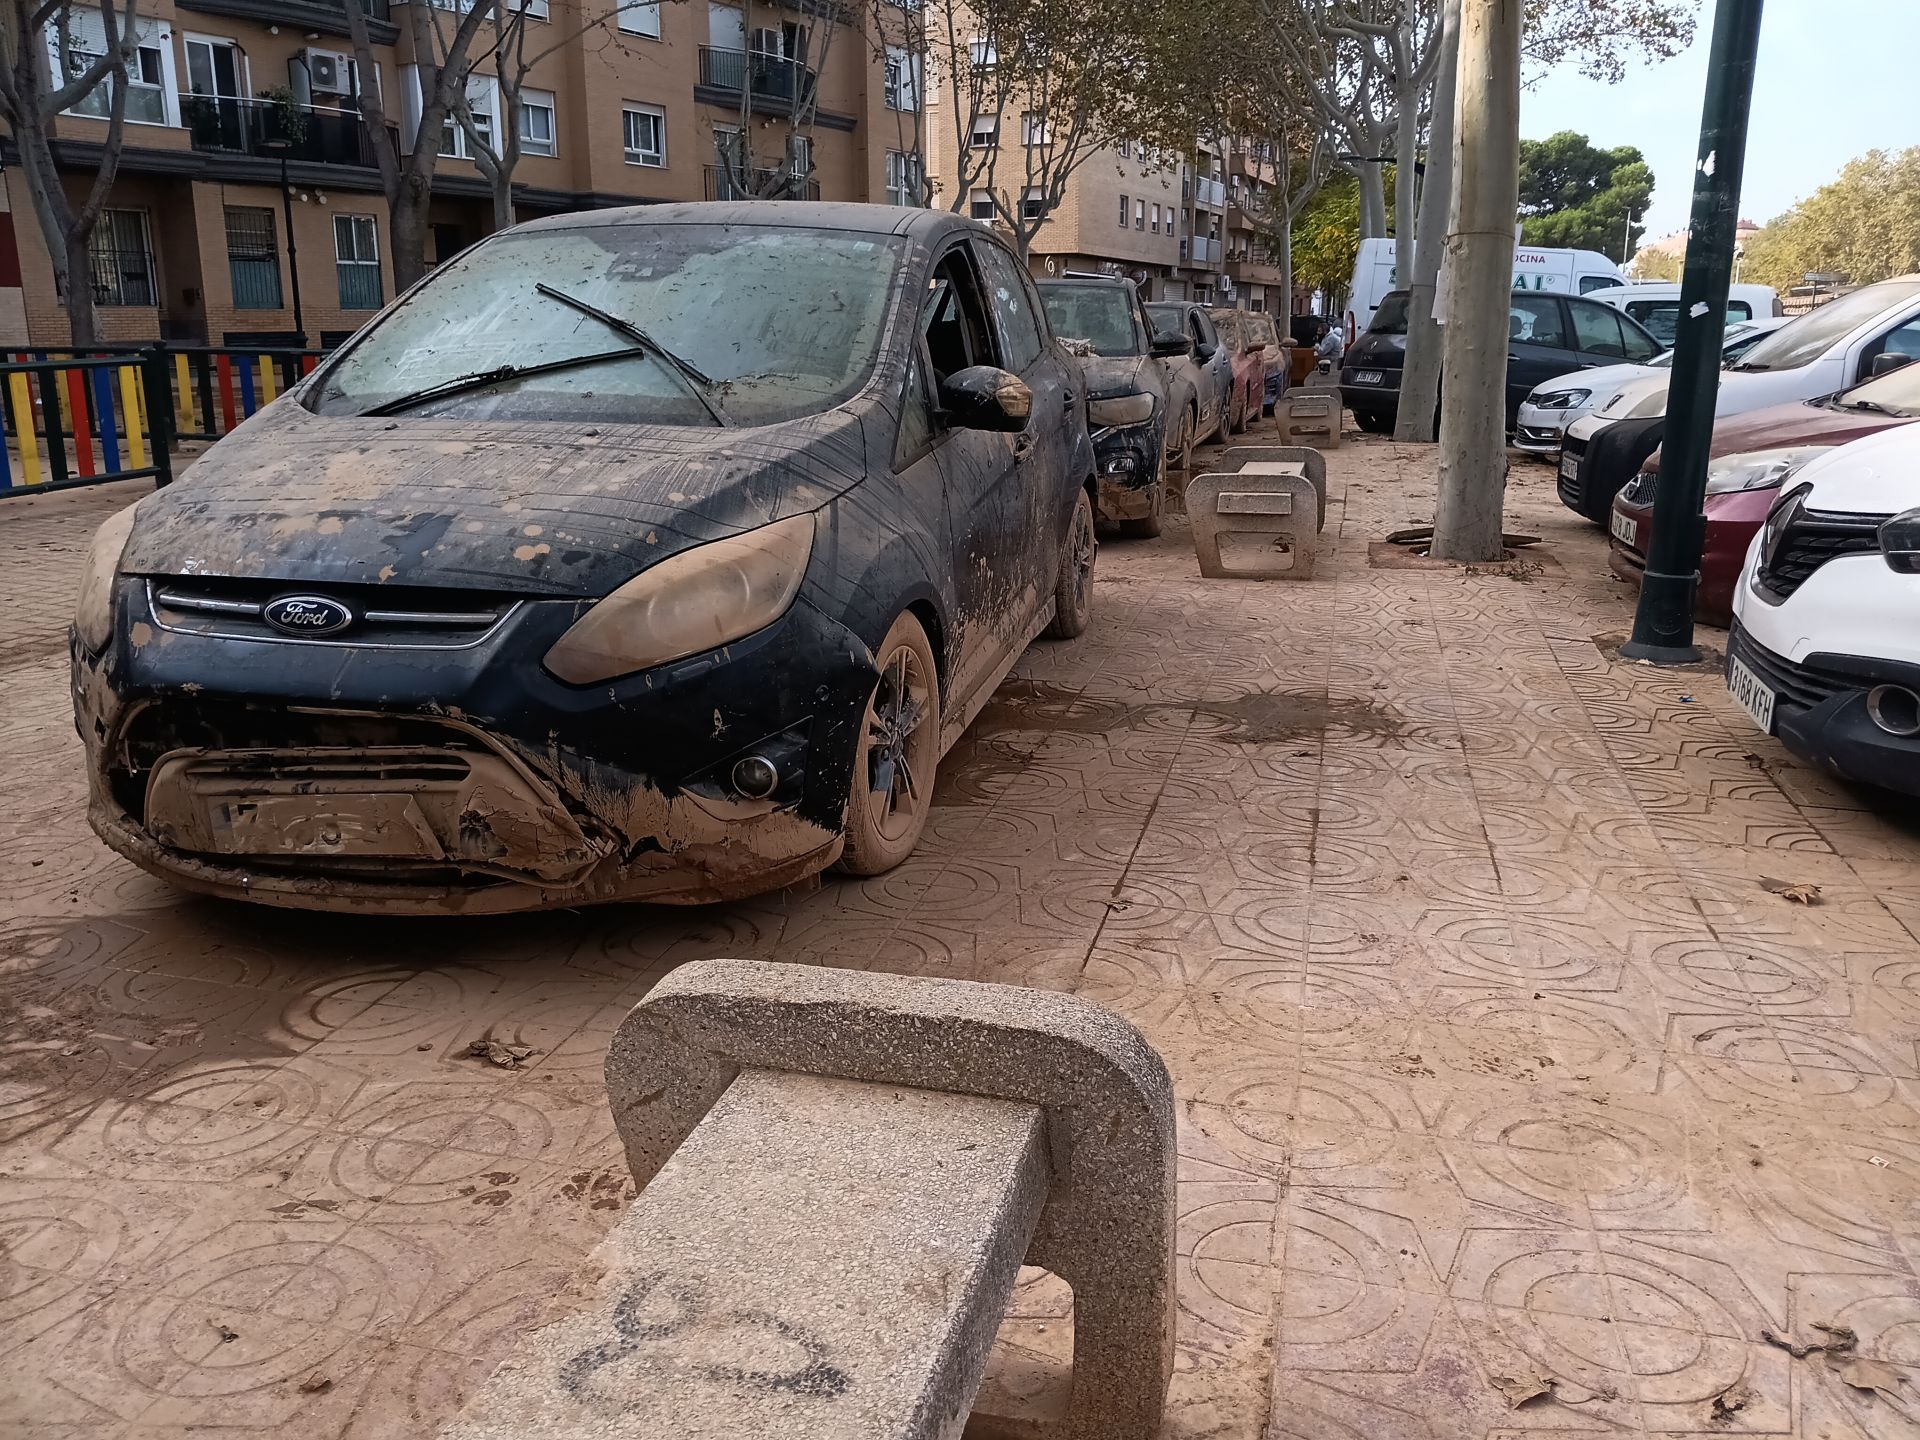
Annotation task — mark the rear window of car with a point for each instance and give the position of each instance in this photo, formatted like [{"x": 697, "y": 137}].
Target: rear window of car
[
  {"x": 1260, "y": 326},
  {"x": 1662, "y": 317},
  {"x": 1102, "y": 315},
  {"x": 1391, "y": 317}
]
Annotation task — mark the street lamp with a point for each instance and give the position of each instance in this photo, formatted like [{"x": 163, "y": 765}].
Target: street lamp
[{"x": 281, "y": 146}]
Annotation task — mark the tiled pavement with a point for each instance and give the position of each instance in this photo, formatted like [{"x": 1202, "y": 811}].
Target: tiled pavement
[{"x": 1500, "y": 1072}]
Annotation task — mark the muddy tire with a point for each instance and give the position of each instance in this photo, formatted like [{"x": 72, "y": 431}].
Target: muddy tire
[
  {"x": 1148, "y": 525},
  {"x": 1183, "y": 447},
  {"x": 896, "y": 755},
  {"x": 1073, "y": 589}
]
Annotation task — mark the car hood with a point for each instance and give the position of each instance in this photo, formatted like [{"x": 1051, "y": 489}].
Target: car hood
[
  {"x": 525, "y": 508},
  {"x": 1118, "y": 374},
  {"x": 1798, "y": 422},
  {"x": 1647, "y": 396},
  {"x": 1873, "y": 476}
]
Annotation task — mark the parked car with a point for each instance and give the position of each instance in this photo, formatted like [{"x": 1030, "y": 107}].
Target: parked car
[
  {"x": 1249, "y": 355},
  {"x": 1127, "y": 409},
  {"x": 1825, "y": 647},
  {"x": 1753, "y": 455},
  {"x": 1656, "y": 304},
  {"x": 655, "y": 553},
  {"x": 1202, "y": 380},
  {"x": 1548, "y": 336},
  {"x": 1273, "y": 357},
  {"x": 1555, "y": 404},
  {"x": 1851, "y": 339},
  {"x": 1376, "y": 272}
]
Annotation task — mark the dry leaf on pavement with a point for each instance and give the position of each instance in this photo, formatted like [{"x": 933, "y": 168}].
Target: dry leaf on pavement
[{"x": 1797, "y": 891}]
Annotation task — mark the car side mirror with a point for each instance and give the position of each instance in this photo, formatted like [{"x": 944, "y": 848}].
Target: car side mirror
[
  {"x": 1889, "y": 360},
  {"x": 1165, "y": 347},
  {"x": 985, "y": 397},
  {"x": 1254, "y": 347},
  {"x": 1204, "y": 352}
]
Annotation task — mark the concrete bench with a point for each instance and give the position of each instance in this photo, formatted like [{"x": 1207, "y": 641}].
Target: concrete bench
[
  {"x": 842, "y": 1174},
  {"x": 1275, "y": 492},
  {"x": 1311, "y": 418}
]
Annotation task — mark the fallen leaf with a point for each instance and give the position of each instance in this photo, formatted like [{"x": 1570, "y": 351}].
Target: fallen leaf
[
  {"x": 1726, "y": 1405},
  {"x": 498, "y": 1052},
  {"x": 1863, "y": 1373},
  {"x": 1756, "y": 761},
  {"x": 1519, "y": 1389},
  {"x": 1798, "y": 892}
]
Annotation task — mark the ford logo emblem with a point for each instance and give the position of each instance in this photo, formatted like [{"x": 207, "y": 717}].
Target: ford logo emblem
[{"x": 308, "y": 615}]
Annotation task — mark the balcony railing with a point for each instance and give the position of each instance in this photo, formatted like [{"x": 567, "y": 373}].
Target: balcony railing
[
  {"x": 772, "y": 183},
  {"x": 772, "y": 77},
  {"x": 1205, "y": 251},
  {"x": 1210, "y": 192},
  {"x": 270, "y": 129}
]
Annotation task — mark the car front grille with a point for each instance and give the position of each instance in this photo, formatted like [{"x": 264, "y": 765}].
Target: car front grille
[
  {"x": 1571, "y": 445},
  {"x": 1538, "y": 435},
  {"x": 1641, "y": 489},
  {"x": 1804, "y": 686},
  {"x": 1812, "y": 538},
  {"x": 411, "y": 617}
]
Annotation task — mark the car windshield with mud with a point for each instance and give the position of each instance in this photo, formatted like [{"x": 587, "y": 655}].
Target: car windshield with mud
[{"x": 644, "y": 554}]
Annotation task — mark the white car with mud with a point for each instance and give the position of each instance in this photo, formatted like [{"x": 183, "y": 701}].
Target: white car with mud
[{"x": 1825, "y": 647}]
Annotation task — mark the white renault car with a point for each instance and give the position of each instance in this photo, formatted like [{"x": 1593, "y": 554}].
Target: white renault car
[
  {"x": 1557, "y": 403},
  {"x": 1825, "y": 647}
]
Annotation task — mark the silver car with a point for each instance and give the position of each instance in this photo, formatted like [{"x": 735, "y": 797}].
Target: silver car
[{"x": 1204, "y": 377}]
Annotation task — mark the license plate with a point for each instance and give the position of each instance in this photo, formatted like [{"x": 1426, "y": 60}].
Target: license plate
[
  {"x": 1569, "y": 466},
  {"x": 1368, "y": 377},
  {"x": 1752, "y": 694},
  {"x": 1625, "y": 529}
]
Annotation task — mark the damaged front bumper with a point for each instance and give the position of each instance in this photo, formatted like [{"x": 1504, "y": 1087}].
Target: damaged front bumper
[
  {"x": 1128, "y": 459},
  {"x": 466, "y": 780}
]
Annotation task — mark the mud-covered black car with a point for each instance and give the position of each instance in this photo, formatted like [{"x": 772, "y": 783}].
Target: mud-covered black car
[
  {"x": 1126, "y": 394},
  {"x": 636, "y": 554}
]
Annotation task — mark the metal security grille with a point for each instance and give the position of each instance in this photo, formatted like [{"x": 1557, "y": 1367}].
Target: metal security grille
[
  {"x": 122, "y": 259},
  {"x": 253, "y": 258}
]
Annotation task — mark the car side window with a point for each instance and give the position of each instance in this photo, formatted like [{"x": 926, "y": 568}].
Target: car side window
[
  {"x": 1598, "y": 330},
  {"x": 915, "y": 435},
  {"x": 1014, "y": 306},
  {"x": 1639, "y": 346},
  {"x": 1590, "y": 283},
  {"x": 1535, "y": 319},
  {"x": 1902, "y": 340},
  {"x": 1203, "y": 331},
  {"x": 954, "y": 320}
]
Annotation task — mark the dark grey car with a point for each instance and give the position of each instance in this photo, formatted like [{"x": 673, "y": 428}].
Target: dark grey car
[{"x": 1211, "y": 362}]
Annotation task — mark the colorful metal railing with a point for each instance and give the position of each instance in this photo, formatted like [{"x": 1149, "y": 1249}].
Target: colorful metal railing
[{"x": 71, "y": 417}]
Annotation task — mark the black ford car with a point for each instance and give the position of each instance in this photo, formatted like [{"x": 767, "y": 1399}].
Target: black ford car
[{"x": 636, "y": 554}]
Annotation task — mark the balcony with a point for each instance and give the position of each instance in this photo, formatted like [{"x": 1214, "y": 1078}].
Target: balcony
[
  {"x": 1210, "y": 192},
  {"x": 770, "y": 183},
  {"x": 1253, "y": 265},
  {"x": 325, "y": 17},
  {"x": 779, "y": 85},
  {"x": 1206, "y": 253},
  {"x": 227, "y": 126}
]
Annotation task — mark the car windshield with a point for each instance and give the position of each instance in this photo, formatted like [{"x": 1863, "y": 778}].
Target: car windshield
[
  {"x": 1801, "y": 342},
  {"x": 1391, "y": 317},
  {"x": 1897, "y": 393},
  {"x": 756, "y": 323},
  {"x": 1227, "y": 322},
  {"x": 1102, "y": 315},
  {"x": 1735, "y": 343},
  {"x": 1260, "y": 327}
]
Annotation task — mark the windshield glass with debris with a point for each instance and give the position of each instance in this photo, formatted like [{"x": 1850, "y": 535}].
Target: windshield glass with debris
[
  {"x": 752, "y": 323},
  {"x": 1102, "y": 315}
]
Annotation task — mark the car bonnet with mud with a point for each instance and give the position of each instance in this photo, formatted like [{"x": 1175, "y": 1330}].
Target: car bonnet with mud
[{"x": 563, "y": 583}]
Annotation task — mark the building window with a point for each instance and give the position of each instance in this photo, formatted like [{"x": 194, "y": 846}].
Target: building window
[
  {"x": 986, "y": 132},
  {"x": 121, "y": 252},
  {"x": 483, "y": 102},
  {"x": 639, "y": 17},
  {"x": 1125, "y": 210},
  {"x": 985, "y": 55},
  {"x": 1126, "y": 149},
  {"x": 646, "y": 130},
  {"x": 1156, "y": 220},
  {"x": 1033, "y": 128},
  {"x": 980, "y": 205},
  {"x": 536, "y": 122},
  {"x": 253, "y": 258},
  {"x": 1139, "y": 214},
  {"x": 903, "y": 79},
  {"x": 905, "y": 179},
  {"x": 356, "y": 256},
  {"x": 146, "y": 75},
  {"x": 1033, "y": 203}
]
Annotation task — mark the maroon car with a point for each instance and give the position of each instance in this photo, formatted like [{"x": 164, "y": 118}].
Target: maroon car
[{"x": 1752, "y": 454}]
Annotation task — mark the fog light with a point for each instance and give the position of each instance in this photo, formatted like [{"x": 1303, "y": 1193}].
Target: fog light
[
  {"x": 1120, "y": 465},
  {"x": 1895, "y": 709},
  {"x": 755, "y": 777}
]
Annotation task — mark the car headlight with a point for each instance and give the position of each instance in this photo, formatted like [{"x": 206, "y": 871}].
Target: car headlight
[
  {"x": 697, "y": 600},
  {"x": 1900, "y": 542},
  {"x": 93, "y": 612},
  {"x": 1758, "y": 469},
  {"x": 1121, "y": 410},
  {"x": 1561, "y": 399}
]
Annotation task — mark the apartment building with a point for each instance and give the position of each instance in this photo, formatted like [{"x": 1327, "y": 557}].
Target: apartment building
[{"x": 248, "y": 190}]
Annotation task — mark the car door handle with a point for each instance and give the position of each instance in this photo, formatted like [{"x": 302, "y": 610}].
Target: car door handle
[
  {"x": 1068, "y": 398},
  {"x": 1023, "y": 446}
]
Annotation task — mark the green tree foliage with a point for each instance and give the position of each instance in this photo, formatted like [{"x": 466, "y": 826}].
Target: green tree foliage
[
  {"x": 1864, "y": 225},
  {"x": 1575, "y": 195},
  {"x": 1659, "y": 265},
  {"x": 1326, "y": 237}
]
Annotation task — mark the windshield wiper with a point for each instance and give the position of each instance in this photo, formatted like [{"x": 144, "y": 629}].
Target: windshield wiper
[
  {"x": 699, "y": 384},
  {"x": 1874, "y": 405},
  {"x": 481, "y": 379}
]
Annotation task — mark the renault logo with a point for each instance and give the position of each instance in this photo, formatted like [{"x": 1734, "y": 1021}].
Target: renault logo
[{"x": 308, "y": 615}]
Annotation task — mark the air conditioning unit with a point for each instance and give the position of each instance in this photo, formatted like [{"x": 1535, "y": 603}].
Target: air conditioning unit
[{"x": 328, "y": 72}]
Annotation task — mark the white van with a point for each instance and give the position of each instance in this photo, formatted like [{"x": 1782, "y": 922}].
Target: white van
[
  {"x": 1566, "y": 272},
  {"x": 1656, "y": 305}
]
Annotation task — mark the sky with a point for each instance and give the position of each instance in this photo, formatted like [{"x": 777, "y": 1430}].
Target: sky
[{"x": 1835, "y": 79}]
